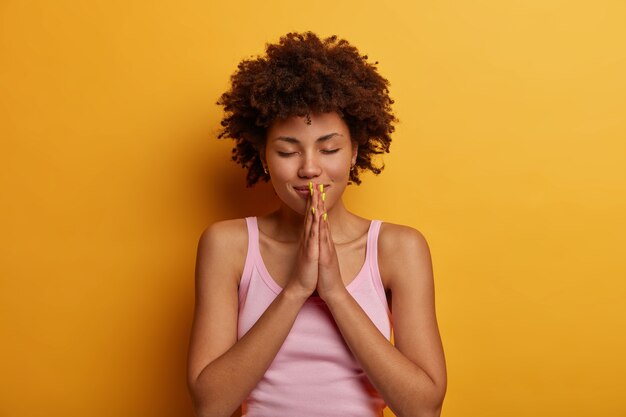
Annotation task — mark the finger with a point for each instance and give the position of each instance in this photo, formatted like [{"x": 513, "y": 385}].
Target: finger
[
  {"x": 313, "y": 237},
  {"x": 319, "y": 201},
  {"x": 329, "y": 237},
  {"x": 323, "y": 205},
  {"x": 323, "y": 222},
  {"x": 328, "y": 234},
  {"x": 324, "y": 248},
  {"x": 308, "y": 218}
]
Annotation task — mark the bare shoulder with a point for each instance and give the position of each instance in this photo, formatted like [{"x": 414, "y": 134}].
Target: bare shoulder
[
  {"x": 399, "y": 247},
  {"x": 397, "y": 236},
  {"x": 225, "y": 241},
  {"x": 405, "y": 255},
  {"x": 222, "y": 248},
  {"x": 231, "y": 230},
  {"x": 229, "y": 234}
]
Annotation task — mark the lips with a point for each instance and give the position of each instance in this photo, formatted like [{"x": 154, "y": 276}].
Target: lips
[
  {"x": 306, "y": 187},
  {"x": 304, "y": 192}
]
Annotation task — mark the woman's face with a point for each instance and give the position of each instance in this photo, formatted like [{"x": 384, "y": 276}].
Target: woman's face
[{"x": 321, "y": 152}]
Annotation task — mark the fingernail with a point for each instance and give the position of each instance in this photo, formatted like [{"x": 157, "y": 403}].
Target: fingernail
[
  {"x": 322, "y": 187},
  {"x": 325, "y": 216},
  {"x": 311, "y": 187},
  {"x": 313, "y": 210},
  {"x": 323, "y": 196}
]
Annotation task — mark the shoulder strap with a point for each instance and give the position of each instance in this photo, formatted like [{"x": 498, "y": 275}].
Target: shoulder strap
[
  {"x": 253, "y": 240},
  {"x": 372, "y": 254}
]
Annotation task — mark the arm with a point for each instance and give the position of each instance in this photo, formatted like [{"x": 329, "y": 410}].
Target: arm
[
  {"x": 410, "y": 376},
  {"x": 221, "y": 370}
]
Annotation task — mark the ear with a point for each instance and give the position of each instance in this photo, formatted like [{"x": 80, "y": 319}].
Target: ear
[
  {"x": 261, "y": 150},
  {"x": 355, "y": 151}
]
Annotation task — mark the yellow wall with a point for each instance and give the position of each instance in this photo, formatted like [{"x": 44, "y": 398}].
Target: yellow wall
[{"x": 510, "y": 157}]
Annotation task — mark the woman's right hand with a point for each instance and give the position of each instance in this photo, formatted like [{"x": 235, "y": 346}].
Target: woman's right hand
[{"x": 303, "y": 281}]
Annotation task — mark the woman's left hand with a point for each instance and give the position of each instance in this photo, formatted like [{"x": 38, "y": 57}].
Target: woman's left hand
[{"x": 329, "y": 282}]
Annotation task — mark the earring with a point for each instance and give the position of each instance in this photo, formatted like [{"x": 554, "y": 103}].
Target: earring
[{"x": 265, "y": 170}]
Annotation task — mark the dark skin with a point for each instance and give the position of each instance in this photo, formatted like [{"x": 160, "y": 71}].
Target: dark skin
[{"x": 410, "y": 376}]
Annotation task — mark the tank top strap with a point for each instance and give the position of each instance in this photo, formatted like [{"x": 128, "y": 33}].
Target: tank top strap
[
  {"x": 253, "y": 242},
  {"x": 372, "y": 256}
]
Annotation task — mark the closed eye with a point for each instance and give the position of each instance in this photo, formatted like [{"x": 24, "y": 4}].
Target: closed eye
[
  {"x": 286, "y": 153},
  {"x": 330, "y": 150}
]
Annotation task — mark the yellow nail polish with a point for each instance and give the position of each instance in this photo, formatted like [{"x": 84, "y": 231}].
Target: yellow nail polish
[
  {"x": 322, "y": 187},
  {"x": 310, "y": 185},
  {"x": 311, "y": 192},
  {"x": 313, "y": 210},
  {"x": 323, "y": 196},
  {"x": 325, "y": 216}
]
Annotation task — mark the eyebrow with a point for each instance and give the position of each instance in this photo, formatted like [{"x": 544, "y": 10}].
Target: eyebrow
[{"x": 320, "y": 139}]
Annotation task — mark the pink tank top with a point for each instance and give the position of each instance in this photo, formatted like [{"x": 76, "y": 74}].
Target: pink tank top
[{"x": 314, "y": 373}]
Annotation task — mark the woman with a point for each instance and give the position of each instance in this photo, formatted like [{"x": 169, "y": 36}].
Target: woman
[{"x": 293, "y": 308}]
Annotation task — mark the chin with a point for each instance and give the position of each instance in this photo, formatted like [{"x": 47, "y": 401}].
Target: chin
[{"x": 297, "y": 206}]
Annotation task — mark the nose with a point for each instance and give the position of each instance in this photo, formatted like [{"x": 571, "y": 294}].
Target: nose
[{"x": 309, "y": 167}]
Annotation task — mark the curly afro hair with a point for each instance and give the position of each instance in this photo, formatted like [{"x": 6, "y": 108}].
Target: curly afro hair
[{"x": 303, "y": 74}]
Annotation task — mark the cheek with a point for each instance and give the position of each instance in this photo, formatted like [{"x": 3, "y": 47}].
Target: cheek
[
  {"x": 339, "y": 170},
  {"x": 281, "y": 168}
]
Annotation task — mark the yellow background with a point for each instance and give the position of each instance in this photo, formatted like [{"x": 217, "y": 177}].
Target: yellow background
[{"x": 510, "y": 157}]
